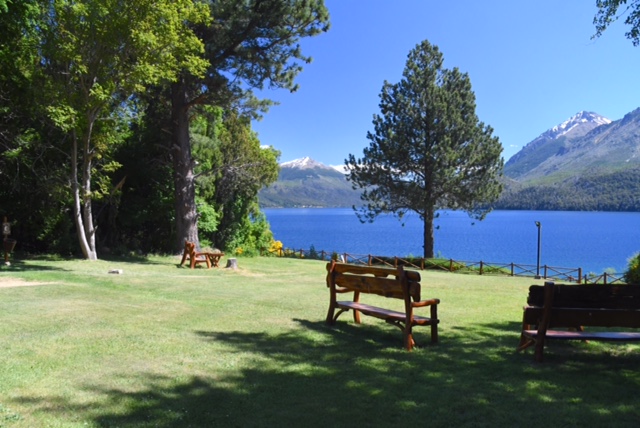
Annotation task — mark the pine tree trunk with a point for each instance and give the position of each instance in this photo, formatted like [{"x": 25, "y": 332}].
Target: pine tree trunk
[
  {"x": 183, "y": 175},
  {"x": 428, "y": 234}
]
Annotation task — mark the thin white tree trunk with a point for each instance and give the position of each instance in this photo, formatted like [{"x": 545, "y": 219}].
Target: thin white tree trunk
[{"x": 82, "y": 213}]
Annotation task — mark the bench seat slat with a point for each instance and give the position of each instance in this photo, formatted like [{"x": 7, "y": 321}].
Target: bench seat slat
[
  {"x": 382, "y": 313},
  {"x": 611, "y": 336}
]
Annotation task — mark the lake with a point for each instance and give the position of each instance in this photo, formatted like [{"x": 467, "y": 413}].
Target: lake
[{"x": 594, "y": 241}]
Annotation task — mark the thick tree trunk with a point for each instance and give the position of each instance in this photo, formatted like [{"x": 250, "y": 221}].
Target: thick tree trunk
[
  {"x": 184, "y": 178},
  {"x": 428, "y": 234}
]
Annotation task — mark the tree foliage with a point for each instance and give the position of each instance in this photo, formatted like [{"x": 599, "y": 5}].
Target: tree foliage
[
  {"x": 632, "y": 274},
  {"x": 428, "y": 149},
  {"x": 610, "y": 11},
  {"x": 249, "y": 44},
  {"x": 113, "y": 89},
  {"x": 232, "y": 167},
  {"x": 615, "y": 191},
  {"x": 88, "y": 58}
]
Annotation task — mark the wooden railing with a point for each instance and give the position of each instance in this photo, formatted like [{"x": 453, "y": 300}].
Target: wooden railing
[{"x": 459, "y": 266}]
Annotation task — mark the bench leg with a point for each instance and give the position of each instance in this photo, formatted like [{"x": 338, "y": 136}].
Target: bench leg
[
  {"x": 356, "y": 314},
  {"x": 434, "y": 324},
  {"x": 525, "y": 342},
  {"x": 409, "y": 343},
  {"x": 331, "y": 314}
]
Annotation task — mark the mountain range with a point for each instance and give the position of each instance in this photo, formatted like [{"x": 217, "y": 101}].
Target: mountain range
[
  {"x": 587, "y": 162},
  {"x": 307, "y": 183}
]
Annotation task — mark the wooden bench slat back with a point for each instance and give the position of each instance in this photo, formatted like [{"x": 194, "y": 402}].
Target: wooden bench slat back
[
  {"x": 586, "y": 305},
  {"x": 374, "y": 280},
  {"x": 592, "y": 296}
]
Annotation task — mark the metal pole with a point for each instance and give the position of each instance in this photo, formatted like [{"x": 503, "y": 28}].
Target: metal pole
[{"x": 538, "y": 263}]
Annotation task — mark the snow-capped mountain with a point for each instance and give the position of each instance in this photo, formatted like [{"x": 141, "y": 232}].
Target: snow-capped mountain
[
  {"x": 307, "y": 183},
  {"x": 586, "y": 163},
  {"x": 552, "y": 141},
  {"x": 303, "y": 163},
  {"x": 581, "y": 123}
]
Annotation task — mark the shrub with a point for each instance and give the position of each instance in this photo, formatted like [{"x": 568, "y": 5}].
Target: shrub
[{"x": 632, "y": 275}]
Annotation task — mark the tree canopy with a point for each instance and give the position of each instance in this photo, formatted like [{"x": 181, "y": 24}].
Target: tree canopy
[
  {"x": 249, "y": 44},
  {"x": 610, "y": 11},
  {"x": 428, "y": 150},
  {"x": 116, "y": 92}
]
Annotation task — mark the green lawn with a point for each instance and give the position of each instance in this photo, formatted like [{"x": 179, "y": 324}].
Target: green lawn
[{"x": 162, "y": 346}]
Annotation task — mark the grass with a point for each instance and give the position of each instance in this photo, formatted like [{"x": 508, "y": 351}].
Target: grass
[{"x": 162, "y": 346}]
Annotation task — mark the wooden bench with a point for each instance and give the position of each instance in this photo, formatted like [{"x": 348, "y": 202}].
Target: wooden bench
[
  {"x": 195, "y": 257},
  {"x": 393, "y": 283},
  {"x": 560, "y": 312}
]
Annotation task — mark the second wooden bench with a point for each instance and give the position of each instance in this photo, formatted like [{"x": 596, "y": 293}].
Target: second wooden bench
[{"x": 560, "y": 312}]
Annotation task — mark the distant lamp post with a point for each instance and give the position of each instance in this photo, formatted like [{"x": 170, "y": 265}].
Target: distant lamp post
[{"x": 539, "y": 226}]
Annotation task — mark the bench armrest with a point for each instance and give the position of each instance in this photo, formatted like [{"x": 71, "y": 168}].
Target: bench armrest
[{"x": 423, "y": 303}]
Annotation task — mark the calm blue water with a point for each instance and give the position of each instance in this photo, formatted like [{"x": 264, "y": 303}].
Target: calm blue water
[{"x": 594, "y": 241}]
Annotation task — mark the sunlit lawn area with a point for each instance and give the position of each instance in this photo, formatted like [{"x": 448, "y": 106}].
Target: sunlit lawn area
[{"x": 162, "y": 346}]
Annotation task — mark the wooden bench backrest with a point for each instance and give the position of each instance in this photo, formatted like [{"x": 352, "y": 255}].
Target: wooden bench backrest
[
  {"x": 592, "y": 296},
  {"x": 374, "y": 280},
  {"x": 585, "y": 305}
]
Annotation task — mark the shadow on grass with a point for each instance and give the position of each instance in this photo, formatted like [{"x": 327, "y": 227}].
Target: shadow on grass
[
  {"x": 359, "y": 375},
  {"x": 31, "y": 266}
]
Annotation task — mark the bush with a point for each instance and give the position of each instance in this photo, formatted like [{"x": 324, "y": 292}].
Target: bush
[{"x": 632, "y": 275}]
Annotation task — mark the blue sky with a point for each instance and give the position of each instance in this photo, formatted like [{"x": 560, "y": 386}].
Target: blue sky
[{"x": 532, "y": 65}]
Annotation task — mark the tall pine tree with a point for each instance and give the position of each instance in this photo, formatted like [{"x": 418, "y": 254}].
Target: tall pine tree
[{"x": 428, "y": 150}]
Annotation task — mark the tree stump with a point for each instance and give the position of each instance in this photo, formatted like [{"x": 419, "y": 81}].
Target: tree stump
[{"x": 232, "y": 264}]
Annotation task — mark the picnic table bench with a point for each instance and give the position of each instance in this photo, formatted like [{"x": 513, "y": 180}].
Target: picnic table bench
[
  {"x": 560, "y": 312},
  {"x": 393, "y": 283},
  {"x": 198, "y": 257}
]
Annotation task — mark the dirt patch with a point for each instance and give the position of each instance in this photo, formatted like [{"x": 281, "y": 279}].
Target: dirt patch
[{"x": 15, "y": 282}]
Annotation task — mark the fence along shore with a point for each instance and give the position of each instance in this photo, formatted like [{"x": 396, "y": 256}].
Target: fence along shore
[{"x": 459, "y": 266}]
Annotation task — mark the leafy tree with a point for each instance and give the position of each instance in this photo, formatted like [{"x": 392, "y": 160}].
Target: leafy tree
[
  {"x": 428, "y": 150},
  {"x": 95, "y": 55},
  {"x": 248, "y": 44},
  {"x": 608, "y": 12},
  {"x": 32, "y": 179},
  {"x": 231, "y": 168}
]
